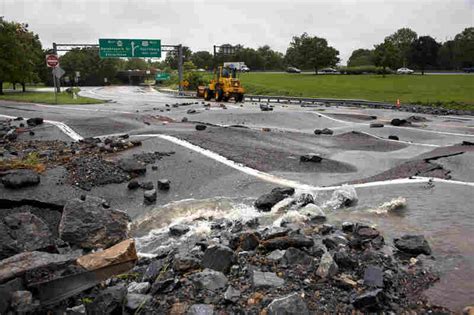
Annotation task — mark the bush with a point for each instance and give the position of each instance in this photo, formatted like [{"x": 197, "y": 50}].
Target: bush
[
  {"x": 195, "y": 79},
  {"x": 365, "y": 70}
]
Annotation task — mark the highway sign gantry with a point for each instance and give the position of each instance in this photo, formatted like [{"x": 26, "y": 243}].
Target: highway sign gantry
[
  {"x": 52, "y": 61},
  {"x": 131, "y": 48}
]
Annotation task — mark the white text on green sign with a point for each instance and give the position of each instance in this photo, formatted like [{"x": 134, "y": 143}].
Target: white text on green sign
[{"x": 131, "y": 48}]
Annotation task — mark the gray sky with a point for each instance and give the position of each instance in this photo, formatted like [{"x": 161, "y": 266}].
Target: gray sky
[{"x": 346, "y": 24}]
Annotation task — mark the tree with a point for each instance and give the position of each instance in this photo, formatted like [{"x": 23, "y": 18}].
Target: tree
[
  {"x": 136, "y": 64},
  {"x": 272, "y": 60},
  {"x": 402, "y": 40},
  {"x": 385, "y": 55},
  {"x": 92, "y": 68},
  {"x": 308, "y": 52},
  {"x": 202, "y": 59},
  {"x": 189, "y": 66},
  {"x": 464, "y": 48},
  {"x": 361, "y": 57},
  {"x": 424, "y": 52},
  {"x": 20, "y": 54},
  {"x": 172, "y": 57},
  {"x": 447, "y": 54}
]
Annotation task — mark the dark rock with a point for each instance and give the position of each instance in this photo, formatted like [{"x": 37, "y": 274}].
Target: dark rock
[
  {"x": 467, "y": 143},
  {"x": 34, "y": 121},
  {"x": 87, "y": 224},
  {"x": 184, "y": 119},
  {"x": 327, "y": 131},
  {"x": 32, "y": 133},
  {"x": 131, "y": 165},
  {"x": 399, "y": 122},
  {"x": 345, "y": 260},
  {"x": 219, "y": 257},
  {"x": 392, "y": 137},
  {"x": 266, "y": 279},
  {"x": 20, "y": 178},
  {"x": 191, "y": 111},
  {"x": 334, "y": 241},
  {"x": 11, "y": 135},
  {"x": 149, "y": 196},
  {"x": 231, "y": 294},
  {"x": 164, "y": 184},
  {"x": 284, "y": 242},
  {"x": 164, "y": 286},
  {"x": 210, "y": 280},
  {"x": 27, "y": 232},
  {"x": 294, "y": 256},
  {"x": 108, "y": 301},
  {"x": 138, "y": 287},
  {"x": 347, "y": 227},
  {"x": 413, "y": 244},
  {"x": 267, "y": 201},
  {"x": 183, "y": 263},
  {"x": 154, "y": 167},
  {"x": 201, "y": 127},
  {"x": 147, "y": 185},
  {"x": 367, "y": 233},
  {"x": 133, "y": 184},
  {"x": 311, "y": 158},
  {"x": 376, "y": 125},
  {"x": 245, "y": 241},
  {"x": 201, "y": 309},
  {"x": 373, "y": 276},
  {"x": 179, "y": 229},
  {"x": 369, "y": 301},
  {"x": 136, "y": 300},
  {"x": 292, "y": 304},
  {"x": 153, "y": 270}
]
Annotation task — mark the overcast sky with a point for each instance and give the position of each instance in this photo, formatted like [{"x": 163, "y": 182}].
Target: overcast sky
[{"x": 346, "y": 24}]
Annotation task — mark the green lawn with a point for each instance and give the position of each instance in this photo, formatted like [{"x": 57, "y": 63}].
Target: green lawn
[
  {"x": 48, "y": 98},
  {"x": 451, "y": 91}
]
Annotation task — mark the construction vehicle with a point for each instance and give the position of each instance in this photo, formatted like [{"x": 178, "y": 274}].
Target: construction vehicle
[{"x": 223, "y": 86}]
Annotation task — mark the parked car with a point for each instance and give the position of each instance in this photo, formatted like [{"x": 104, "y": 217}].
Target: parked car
[
  {"x": 328, "y": 71},
  {"x": 293, "y": 70},
  {"x": 468, "y": 70},
  {"x": 244, "y": 69},
  {"x": 404, "y": 71}
]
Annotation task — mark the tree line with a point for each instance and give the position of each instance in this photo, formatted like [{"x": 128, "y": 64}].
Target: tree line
[
  {"x": 405, "y": 48},
  {"x": 23, "y": 58}
]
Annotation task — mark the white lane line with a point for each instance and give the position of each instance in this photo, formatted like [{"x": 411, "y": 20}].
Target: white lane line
[
  {"x": 83, "y": 109},
  {"x": 395, "y": 127},
  {"x": 401, "y": 141},
  {"x": 62, "y": 126},
  {"x": 291, "y": 183}
]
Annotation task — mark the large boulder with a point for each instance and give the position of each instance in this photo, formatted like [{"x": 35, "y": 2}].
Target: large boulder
[
  {"x": 413, "y": 244},
  {"x": 267, "y": 201},
  {"x": 19, "y": 264},
  {"x": 133, "y": 166},
  {"x": 284, "y": 242},
  {"x": 292, "y": 304},
  {"x": 219, "y": 257},
  {"x": 32, "y": 122},
  {"x": 120, "y": 253},
  {"x": 91, "y": 224},
  {"x": 21, "y": 232},
  {"x": 294, "y": 256},
  {"x": 20, "y": 178},
  {"x": 327, "y": 267}
]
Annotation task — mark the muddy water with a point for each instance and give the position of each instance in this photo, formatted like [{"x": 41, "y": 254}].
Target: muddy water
[{"x": 443, "y": 213}]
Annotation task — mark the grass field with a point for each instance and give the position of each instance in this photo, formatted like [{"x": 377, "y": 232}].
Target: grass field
[
  {"x": 450, "y": 91},
  {"x": 48, "y": 98}
]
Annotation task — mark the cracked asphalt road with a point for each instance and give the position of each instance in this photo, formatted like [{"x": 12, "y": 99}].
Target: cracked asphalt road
[{"x": 353, "y": 153}]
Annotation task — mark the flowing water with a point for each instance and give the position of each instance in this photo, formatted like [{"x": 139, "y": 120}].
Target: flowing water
[{"x": 443, "y": 213}]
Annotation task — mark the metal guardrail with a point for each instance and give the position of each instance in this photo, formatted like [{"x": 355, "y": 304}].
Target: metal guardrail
[{"x": 309, "y": 101}]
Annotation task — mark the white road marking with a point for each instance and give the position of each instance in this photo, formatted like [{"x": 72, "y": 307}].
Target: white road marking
[
  {"x": 62, "y": 126},
  {"x": 291, "y": 183},
  {"x": 396, "y": 127}
]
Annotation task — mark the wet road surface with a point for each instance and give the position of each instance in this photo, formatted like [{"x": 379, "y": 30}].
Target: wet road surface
[{"x": 244, "y": 152}]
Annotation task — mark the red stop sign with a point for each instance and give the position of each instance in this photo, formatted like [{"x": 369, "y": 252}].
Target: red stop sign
[{"x": 52, "y": 61}]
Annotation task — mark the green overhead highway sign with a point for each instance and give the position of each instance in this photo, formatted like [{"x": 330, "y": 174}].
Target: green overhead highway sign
[
  {"x": 131, "y": 48},
  {"x": 162, "y": 76}
]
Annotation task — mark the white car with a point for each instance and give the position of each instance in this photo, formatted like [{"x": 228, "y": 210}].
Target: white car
[
  {"x": 404, "y": 71},
  {"x": 328, "y": 71}
]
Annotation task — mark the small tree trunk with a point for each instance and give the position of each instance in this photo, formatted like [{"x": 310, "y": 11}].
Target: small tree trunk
[
  {"x": 423, "y": 70},
  {"x": 23, "y": 87},
  {"x": 1, "y": 87},
  {"x": 315, "y": 70},
  {"x": 383, "y": 71},
  {"x": 14, "y": 86}
]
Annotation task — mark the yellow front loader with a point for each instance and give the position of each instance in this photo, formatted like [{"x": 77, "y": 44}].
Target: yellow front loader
[{"x": 223, "y": 86}]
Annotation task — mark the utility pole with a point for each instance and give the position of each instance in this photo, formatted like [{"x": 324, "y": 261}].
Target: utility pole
[
  {"x": 180, "y": 68},
  {"x": 57, "y": 83}
]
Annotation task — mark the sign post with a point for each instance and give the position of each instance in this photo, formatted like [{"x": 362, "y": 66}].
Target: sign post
[
  {"x": 131, "y": 48},
  {"x": 52, "y": 61}
]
